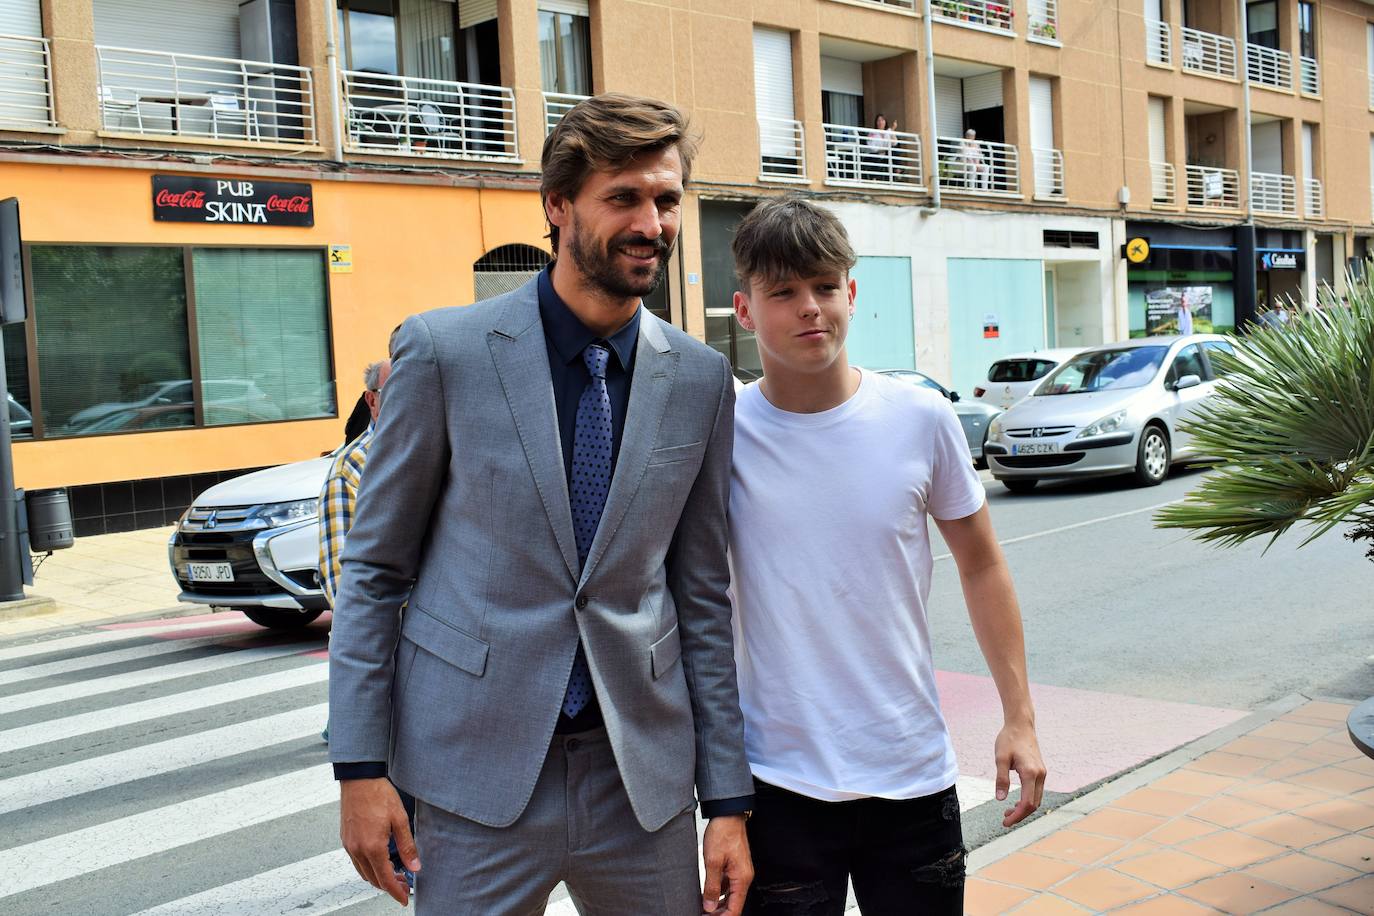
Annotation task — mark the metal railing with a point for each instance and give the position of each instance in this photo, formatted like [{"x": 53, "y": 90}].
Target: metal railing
[
  {"x": 1314, "y": 198},
  {"x": 1163, "y": 184},
  {"x": 556, "y": 105},
  {"x": 1213, "y": 189},
  {"x": 1371, "y": 90},
  {"x": 985, "y": 13},
  {"x": 782, "y": 149},
  {"x": 1043, "y": 19},
  {"x": 1049, "y": 172},
  {"x": 900, "y": 4},
  {"x": 864, "y": 156},
  {"x": 1159, "y": 42},
  {"x": 1268, "y": 67},
  {"x": 25, "y": 83},
  {"x": 1276, "y": 194},
  {"x": 156, "y": 93},
  {"x": 978, "y": 167},
  {"x": 1203, "y": 52},
  {"x": 1311, "y": 76},
  {"x": 435, "y": 119}
]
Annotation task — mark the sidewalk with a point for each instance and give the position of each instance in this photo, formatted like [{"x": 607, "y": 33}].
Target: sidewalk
[{"x": 1273, "y": 815}]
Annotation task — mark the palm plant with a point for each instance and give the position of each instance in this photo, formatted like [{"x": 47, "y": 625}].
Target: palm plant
[{"x": 1293, "y": 425}]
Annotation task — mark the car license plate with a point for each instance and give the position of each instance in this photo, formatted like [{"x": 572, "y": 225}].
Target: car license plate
[
  {"x": 210, "y": 572},
  {"x": 1036, "y": 448}
]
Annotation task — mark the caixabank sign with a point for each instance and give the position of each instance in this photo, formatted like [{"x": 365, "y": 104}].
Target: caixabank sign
[{"x": 183, "y": 199}]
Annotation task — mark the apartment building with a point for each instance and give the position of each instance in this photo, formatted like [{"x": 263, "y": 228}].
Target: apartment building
[{"x": 228, "y": 204}]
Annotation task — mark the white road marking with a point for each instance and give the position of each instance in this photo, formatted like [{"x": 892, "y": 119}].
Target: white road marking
[
  {"x": 1082, "y": 524},
  {"x": 103, "y": 637},
  {"x": 114, "y": 657},
  {"x": 321, "y": 884},
  {"x": 70, "y": 855},
  {"x": 145, "y": 710},
  {"x": 70, "y": 779},
  {"x": 96, "y": 686}
]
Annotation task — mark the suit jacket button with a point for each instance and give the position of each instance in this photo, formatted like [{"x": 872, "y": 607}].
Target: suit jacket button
[{"x": 581, "y": 602}]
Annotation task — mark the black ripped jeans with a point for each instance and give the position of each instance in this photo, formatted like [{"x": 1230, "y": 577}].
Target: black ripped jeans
[{"x": 905, "y": 857}]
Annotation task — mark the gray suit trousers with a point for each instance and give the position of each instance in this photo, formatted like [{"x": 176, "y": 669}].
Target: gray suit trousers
[{"x": 578, "y": 828}]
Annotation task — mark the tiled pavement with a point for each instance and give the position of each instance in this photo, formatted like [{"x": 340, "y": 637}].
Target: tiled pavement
[{"x": 1278, "y": 819}]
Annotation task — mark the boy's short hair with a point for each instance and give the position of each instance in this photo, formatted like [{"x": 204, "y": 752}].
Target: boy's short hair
[{"x": 787, "y": 237}]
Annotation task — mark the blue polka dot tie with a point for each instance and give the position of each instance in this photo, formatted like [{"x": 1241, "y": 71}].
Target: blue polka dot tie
[{"x": 591, "y": 481}]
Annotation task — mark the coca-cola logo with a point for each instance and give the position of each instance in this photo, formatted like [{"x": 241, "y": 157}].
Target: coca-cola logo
[
  {"x": 185, "y": 200},
  {"x": 296, "y": 204}
]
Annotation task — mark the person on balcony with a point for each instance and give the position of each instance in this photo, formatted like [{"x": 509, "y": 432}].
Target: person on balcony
[
  {"x": 977, "y": 175},
  {"x": 877, "y": 155}
]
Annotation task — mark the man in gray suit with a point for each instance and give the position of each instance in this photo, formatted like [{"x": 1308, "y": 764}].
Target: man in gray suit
[{"x": 552, "y": 472}]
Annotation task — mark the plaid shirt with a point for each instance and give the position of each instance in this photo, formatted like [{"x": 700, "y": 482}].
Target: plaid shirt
[{"x": 337, "y": 499}]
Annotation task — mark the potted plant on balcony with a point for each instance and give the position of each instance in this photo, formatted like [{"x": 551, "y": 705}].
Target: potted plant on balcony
[{"x": 1044, "y": 30}]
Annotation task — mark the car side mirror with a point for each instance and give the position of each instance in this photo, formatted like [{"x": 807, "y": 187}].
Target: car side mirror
[
  {"x": 954, "y": 397},
  {"x": 1187, "y": 381}
]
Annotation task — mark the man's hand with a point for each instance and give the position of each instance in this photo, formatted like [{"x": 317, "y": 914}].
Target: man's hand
[
  {"x": 725, "y": 847},
  {"x": 1017, "y": 749},
  {"x": 370, "y": 813}
]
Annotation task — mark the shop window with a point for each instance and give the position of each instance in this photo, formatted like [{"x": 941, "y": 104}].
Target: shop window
[
  {"x": 506, "y": 268},
  {"x": 17, "y": 381}
]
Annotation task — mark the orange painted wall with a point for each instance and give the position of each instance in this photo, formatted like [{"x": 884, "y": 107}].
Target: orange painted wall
[{"x": 413, "y": 247}]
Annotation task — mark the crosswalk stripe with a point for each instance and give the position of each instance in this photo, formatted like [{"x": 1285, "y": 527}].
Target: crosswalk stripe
[
  {"x": 39, "y": 733},
  {"x": 61, "y": 858},
  {"x": 95, "y": 639},
  {"x": 113, "y": 657},
  {"x": 320, "y": 884},
  {"x": 155, "y": 675},
  {"x": 70, "y": 779}
]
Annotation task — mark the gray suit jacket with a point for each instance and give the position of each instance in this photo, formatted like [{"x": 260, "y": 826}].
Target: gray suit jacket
[{"x": 464, "y": 492}]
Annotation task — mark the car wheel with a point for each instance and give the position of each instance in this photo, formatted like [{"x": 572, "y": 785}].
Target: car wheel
[
  {"x": 981, "y": 462},
  {"x": 277, "y": 619},
  {"x": 1020, "y": 484},
  {"x": 1152, "y": 457}
]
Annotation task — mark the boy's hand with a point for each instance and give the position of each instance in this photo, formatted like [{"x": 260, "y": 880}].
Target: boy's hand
[{"x": 1017, "y": 749}]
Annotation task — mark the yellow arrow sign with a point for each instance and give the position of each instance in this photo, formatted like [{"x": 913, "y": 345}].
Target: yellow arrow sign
[{"x": 1137, "y": 251}]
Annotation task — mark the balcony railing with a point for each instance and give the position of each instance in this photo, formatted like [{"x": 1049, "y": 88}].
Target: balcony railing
[
  {"x": 1213, "y": 189},
  {"x": 864, "y": 156},
  {"x": 1043, "y": 18},
  {"x": 1203, "y": 52},
  {"x": 1159, "y": 42},
  {"x": 899, "y": 4},
  {"x": 1268, "y": 67},
  {"x": 1275, "y": 194},
  {"x": 155, "y": 93},
  {"x": 25, "y": 83},
  {"x": 556, "y": 105},
  {"x": 1311, "y": 76},
  {"x": 1371, "y": 90},
  {"x": 435, "y": 119},
  {"x": 1314, "y": 198},
  {"x": 979, "y": 13},
  {"x": 1049, "y": 173},
  {"x": 1163, "y": 184},
  {"x": 782, "y": 150},
  {"x": 978, "y": 167}
]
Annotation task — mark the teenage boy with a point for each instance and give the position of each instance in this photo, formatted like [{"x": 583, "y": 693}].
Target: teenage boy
[{"x": 835, "y": 472}]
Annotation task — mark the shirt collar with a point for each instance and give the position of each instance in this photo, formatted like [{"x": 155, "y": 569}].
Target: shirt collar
[{"x": 570, "y": 336}]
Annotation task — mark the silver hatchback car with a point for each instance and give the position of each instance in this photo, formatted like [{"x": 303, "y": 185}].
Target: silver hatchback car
[{"x": 1114, "y": 409}]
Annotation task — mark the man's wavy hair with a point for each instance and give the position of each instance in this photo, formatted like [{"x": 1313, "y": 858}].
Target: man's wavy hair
[
  {"x": 606, "y": 133},
  {"x": 790, "y": 237}
]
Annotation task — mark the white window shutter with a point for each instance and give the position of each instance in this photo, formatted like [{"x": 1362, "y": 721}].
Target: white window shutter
[
  {"x": 845, "y": 76},
  {"x": 983, "y": 91},
  {"x": 1158, "y": 150},
  {"x": 475, "y": 12},
  {"x": 208, "y": 27},
  {"x": 21, "y": 17},
  {"x": 949, "y": 106},
  {"x": 773, "y": 74},
  {"x": 1041, "y": 113}
]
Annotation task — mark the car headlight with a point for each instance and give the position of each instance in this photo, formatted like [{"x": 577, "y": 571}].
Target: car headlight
[
  {"x": 995, "y": 427},
  {"x": 1108, "y": 424},
  {"x": 274, "y": 515}
]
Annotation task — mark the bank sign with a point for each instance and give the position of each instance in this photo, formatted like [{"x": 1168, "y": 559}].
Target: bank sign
[
  {"x": 1281, "y": 260},
  {"x": 183, "y": 199}
]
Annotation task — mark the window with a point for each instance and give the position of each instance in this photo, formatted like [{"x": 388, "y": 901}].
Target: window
[
  {"x": 17, "y": 381},
  {"x": 1220, "y": 368},
  {"x": 1307, "y": 30},
  {"x": 1019, "y": 370},
  {"x": 367, "y": 33},
  {"x": 565, "y": 55},
  {"x": 115, "y": 348},
  {"x": 1262, "y": 20},
  {"x": 1100, "y": 370},
  {"x": 1188, "y": 362},
  {"x": 1069, "y": 238}
]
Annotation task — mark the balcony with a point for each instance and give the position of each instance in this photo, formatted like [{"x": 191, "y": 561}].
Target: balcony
[
  {"x": 978, "y": 168},
  {"x": 1208, "y": 54},
  {"x": 782, "y": 150},
  {"x": 863, "y": 157},
  {"x": 1314, "y": 199},
  {"x": 1043, "y": 18},
  {"x": 159, "y": 94},
  {"x": 1163, "y": 184},
  {"x": 1273, "y": 194},
  {"x": 1213, "y": 189},
  {"x": 25, "y": 83},
  {"x": 976, "y": 14},
  {"x": 431, "y": 119},
  {"x": 1159, "y": 43},
  {"x": 1311, "y": 76},
  {"x": 556, "y": 105},
  {"x": 1049, "y": 173},
  {"x": 1268, "y": 67}
]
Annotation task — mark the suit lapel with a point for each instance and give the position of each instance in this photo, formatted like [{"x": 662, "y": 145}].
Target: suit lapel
[
  {"x": 650, "y": 385},
  {"x": 522, "y": 362}
]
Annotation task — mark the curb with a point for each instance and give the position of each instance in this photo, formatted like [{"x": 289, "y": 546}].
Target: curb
[
  {"x": 1140, "y": 777},
  {"x": 29, "y": 606}
]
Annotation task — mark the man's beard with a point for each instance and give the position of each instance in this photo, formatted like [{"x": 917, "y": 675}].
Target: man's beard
[{"x": 598, "y": 264}]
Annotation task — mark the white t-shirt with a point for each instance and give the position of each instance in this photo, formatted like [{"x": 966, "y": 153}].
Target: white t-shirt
[{"x": 831, "y": 570}]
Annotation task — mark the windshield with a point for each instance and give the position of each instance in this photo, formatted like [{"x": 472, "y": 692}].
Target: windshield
[{"x": 1104, "y": 369}]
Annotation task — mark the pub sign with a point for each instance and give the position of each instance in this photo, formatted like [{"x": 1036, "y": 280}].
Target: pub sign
[{"x": 185, "y": 199}]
